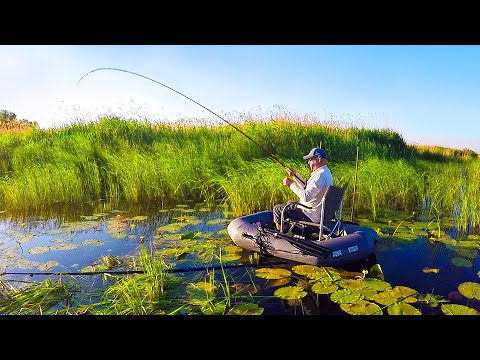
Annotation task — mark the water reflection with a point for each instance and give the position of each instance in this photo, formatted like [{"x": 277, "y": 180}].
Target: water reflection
[{"x": 69, "y": 239}]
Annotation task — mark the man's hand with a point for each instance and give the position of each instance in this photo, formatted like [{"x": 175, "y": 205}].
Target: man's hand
[
  {"x": 290, "y": 172},
  {"x": 286, "y": 181}
]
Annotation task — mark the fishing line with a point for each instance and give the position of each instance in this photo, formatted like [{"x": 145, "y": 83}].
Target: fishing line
[{"x": 269, "y": 154}]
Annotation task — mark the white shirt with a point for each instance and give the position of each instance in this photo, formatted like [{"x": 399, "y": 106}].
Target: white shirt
[{"x": 311, "y": 195}]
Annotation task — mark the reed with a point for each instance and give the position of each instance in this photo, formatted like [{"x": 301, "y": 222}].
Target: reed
[{"x": 138, "y": 161}]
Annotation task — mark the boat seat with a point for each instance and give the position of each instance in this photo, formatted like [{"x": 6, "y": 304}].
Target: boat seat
[{"x": 330, "y": 216}]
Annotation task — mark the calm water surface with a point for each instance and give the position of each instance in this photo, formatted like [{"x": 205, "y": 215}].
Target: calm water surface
[{"x": 68, "y": 240}]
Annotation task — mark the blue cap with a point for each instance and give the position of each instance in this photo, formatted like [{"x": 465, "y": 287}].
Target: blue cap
[{"x": 316, "y": 152}]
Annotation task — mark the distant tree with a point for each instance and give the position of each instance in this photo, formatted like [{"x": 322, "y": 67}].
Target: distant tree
[{"x": 7, "y": 116}]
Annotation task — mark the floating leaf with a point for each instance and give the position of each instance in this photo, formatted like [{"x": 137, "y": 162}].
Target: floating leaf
[
  {"x": 217, "y": 221},
  {"x": 92, "y": 242},
  {"x": 270, "y": 273},
  {"x": 246, "y": 309},
  {"x": 456, "y": 309},
  {"x": 470, "y": 290},
  {"x": 361, "y": 307},
  {"x": 101, "y": 214},
  {"x": 368, "y": 294},
  {"x": 230, "y": 257},
  {"x": 432, "y": 300},
  {"x": 402, "y": 308},
  {"x": 397, "y": 293},
  {"x": 458, "y": 261},
  {"x": 189, "y": 235},
  {"x": 250, "y": 288},
  {"x": 324, "y": 288},
  {"x": 278, "y": 282},
  {"x": 290, "y": 293},
  {"x": 111, "y": 261},
  {"x": 430, "y": 270},
  {"x": 48, "y": 265},
  {"x": 209, "y": 308},
  {"x": 64, "y": 247},
  {"x": 344, "y": 296},
  {"x": 351, "y": 284},
  {"x": 310, "y": 271},
  {"x": 205, "y": 286},
  {"x": 376, "y": 284},
  {"x": 173, "y": 227},
  {"x": 233, "y": 249},
  {"x": 39, "y": 250}
]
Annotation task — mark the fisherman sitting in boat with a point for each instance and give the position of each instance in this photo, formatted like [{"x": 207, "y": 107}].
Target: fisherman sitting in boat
[{"x": 309, "y": 192}]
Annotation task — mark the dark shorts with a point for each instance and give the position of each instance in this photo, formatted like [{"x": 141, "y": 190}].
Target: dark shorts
[{"x": 295, "y": 214}]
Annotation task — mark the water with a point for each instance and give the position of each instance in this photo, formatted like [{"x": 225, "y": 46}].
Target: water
[{"x": 74, "y": 239}]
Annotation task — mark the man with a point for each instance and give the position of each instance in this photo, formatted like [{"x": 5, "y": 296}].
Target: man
[{"x": 309, "y": 192}]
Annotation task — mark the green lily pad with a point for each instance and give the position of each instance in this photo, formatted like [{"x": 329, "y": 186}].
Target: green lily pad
[
  {"x": 92, "y": 242},
  {"x": 345, "y": 296},
  {"x": 230, "y": 257},
  {"x": 377, "y": 272},
  {"x": 89, "y": 217},
  {"x": 290, "y": 293},
  {"x": 396, "y": 294},
  {"x": 64, "y": 247},
  {"x": 39, "y": 250},
  {"x": 139, "y": 218},
  {"x": 189, "y": 235},
  {"x": 456, "y": 309},
  {"x": 351, "y": 284},
  {"x": 458, "y": 261},
  {"x": 246, "y": 309},
  {"x": 470, "y": 290},
  {"x": 324, "y": 288},
  {"x": 361, "y": 307},
  {"x": 432, "y": 300},
  {"x": 270, "y": 273},
  {"x": 402, "y": 308},
  {"x": 48, "y": 265},
  {"x": 376, "y": 284},
  {"x": 217, "y": 221}
]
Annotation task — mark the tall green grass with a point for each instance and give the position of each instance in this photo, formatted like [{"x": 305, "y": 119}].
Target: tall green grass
[{"x": 138, "y": 161}]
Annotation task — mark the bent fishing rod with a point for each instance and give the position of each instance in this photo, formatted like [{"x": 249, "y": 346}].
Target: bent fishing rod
[
  {"x": 268, "y": 153},
  {"x": 128, "y": 272}
]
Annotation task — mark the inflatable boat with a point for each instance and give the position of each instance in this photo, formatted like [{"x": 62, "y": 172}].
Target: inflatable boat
[{"x": 349, "y": 242}]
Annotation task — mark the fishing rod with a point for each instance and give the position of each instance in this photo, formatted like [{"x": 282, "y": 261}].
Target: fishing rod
[
  {"x": 268, "y": 153},
  {"x": 127, "y": 272}
]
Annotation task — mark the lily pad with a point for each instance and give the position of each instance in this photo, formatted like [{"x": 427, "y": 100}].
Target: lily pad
[
  {"x": 361, "y": 307},
  {"x": 39, "y": 249},
  {"x": 458, "y": 261},
  {"x": 324, "y": 288},
  {"x": 402, "y": 308},
  {"x": 456, "y": 309},
  {"x": 470, "y": 290},
  {"x": 376, "y": 284},
  {"x": 396, "y": 294},
  {"x": 290, "y": 293},
  {"x": 270, "y": 273},
  {"x": 246, "y": 309},
  {"x": 345, "y": 296}
]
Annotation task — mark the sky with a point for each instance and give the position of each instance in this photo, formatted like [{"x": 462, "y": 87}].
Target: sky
[{"x": 429, "y": 94}]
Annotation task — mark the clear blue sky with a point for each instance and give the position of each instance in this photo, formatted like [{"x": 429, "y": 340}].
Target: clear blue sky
[{"x": 430, "y": 94}]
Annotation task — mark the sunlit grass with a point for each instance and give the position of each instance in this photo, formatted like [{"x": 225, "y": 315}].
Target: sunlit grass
[{"x": 117, "y": 159}]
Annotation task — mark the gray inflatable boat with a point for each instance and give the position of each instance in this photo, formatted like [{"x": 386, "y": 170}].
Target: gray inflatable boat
[{"x": 350, "y": 243}]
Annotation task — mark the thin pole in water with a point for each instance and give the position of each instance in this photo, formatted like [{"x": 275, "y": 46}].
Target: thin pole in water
[{"x": 354, "y": 187}]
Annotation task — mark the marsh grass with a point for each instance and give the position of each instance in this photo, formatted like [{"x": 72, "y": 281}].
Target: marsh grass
[
  {"x": 141, "y": 294},
  {"x": 116, "y": 159},
  {"x": 37, "y": 298}
]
